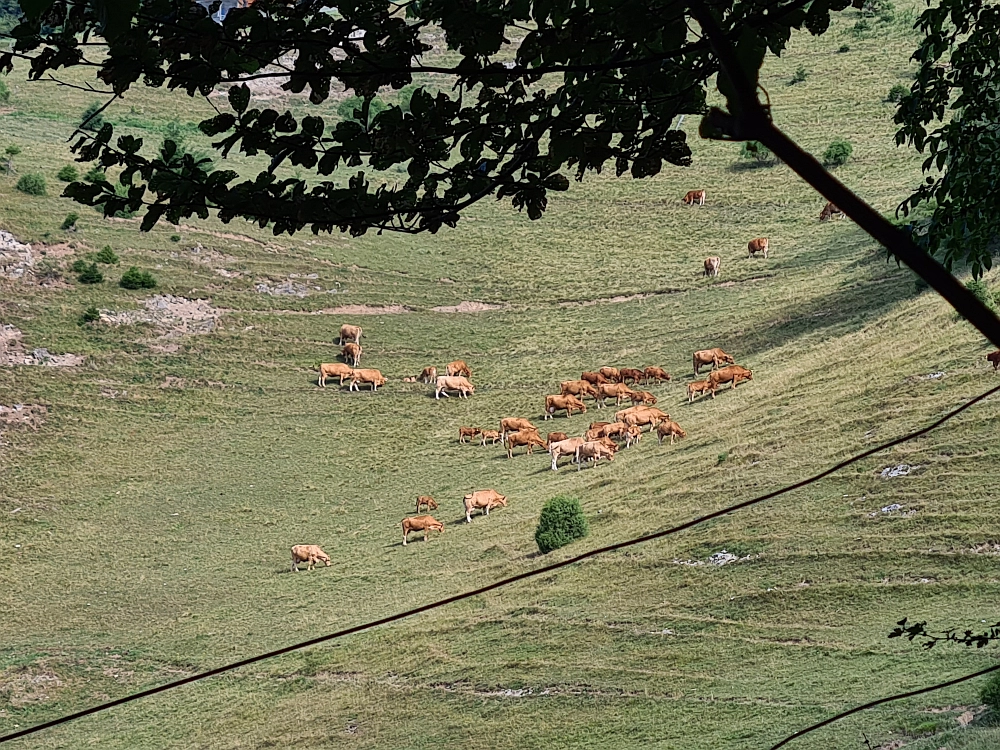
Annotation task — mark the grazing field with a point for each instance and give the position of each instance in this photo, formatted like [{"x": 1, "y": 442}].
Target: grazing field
[{"x": 145, "y": 527}]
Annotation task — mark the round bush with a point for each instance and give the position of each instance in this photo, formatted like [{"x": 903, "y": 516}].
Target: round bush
[
  {"x": 838, "y": 153},
  {"x": 32, "y": 184},
  {"x": 990, "y": 694},
  {"x": 561, "y": 522},
  {"x": 90, "y": 315},
  {"x": 69, "y": 223},
  {"x": 106, "y": 255},
  {"x": 133, "y": 278},
  {"x": 896, "y": 93},
  {"x": 67, "y": 173},
  {"x": 90, "y": 275}
]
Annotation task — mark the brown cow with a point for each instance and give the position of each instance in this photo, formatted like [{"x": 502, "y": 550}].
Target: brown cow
[
  {"x": 830, "y": 211},
  {"x": 351, "y": 353},
  {"x": 632, "y": 435},
  {"x": 595, "y": 425},
  {"x": 579, "y": 388},
  {"x": 555, "y": 437},
  {"x": 620, "y": 414},
  {"x": 617, "y": 391},
  {"x": 564, "y": 448},
  {"x": 458, "y": 367},
  {"x": 559, "y": 403},
  {"x": 428, "y": 375},
  {"x": 524, "y": 437},
  {"x": 607, "y": 430},
  {"x": 695, "y": 197},
  {"x": 467, "y": 432},
  {"x": 655, "y": 373},
  {"x": 373, "y": 377},
  {"x": 712, "y": 265},
  {"x": 642, "y": 397},
  {"x": 731, "y": 374},
  {"x": 630, "y": 373},
  {"x": 592, "y": 451},
  {"x": 594, "y": 378},
  {"x": 759, "y": 245},
  {"x": 447, "y": 383},
  {"x": 426, "y": 524},
  {"x": 484, "y": 500},
  {"x": 671, "y": 430},
  {"x": 492, "y": 435},
  {"x": 333, "y": 370},
  {"x": 641, "y": 418},
  {"x": 513, "y": 424},
  {"x": 611, "y": 373},
  {"x": 349, "y": 333},
  {"x": 994, "y": 357},
  {"x": 714, "y": 357},
  {"x": 698, "y": 387},
  {"x": 427, "y": 500},
  {"x": 309, "y": 554}
]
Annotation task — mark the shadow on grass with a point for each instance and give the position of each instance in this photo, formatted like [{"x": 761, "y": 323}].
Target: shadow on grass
[{"x": 751, "y": 166}]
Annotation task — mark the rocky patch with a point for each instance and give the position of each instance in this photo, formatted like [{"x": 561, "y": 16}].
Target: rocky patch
[
  {"x": 467, "y": 307},
  {"x": 177, "y": 316},
  {"x": 22, "y": 415},
  {"x": 12, "y": 352}
]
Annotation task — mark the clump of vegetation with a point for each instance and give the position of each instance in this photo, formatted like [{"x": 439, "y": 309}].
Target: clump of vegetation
[
  {"x": 561, "y": 522},
  {"x": 90, "y": 315},
  {"x": 884, "y": 10},
  {"x": 133, "y": 278},
  {"x": 896, "y": 93},
  {"x": 95, "y": 174},
  {"x": 862, "y": 27},
  {"x": 69, "y": 223},
  {"x": 175, "y": 238},
  {"x": 67, "y": 173},
  {"x": 800, "y": 75},
  {"x": 91, "y": 274},
  {"x": 106, "y": 255},
  {"x": 844, "y": 48},
  {"x": 838, "y": 153},
  {"x": 4, "y": 92},
  {"x": 981, "y": 292},
  {"x": 47, "y": 270},
  {"x": 11, "y": 151},
  {"x": 722, "y": 458},
  {"x": 756, "y": 151},
  {"x": 92, "y": 118},
  {"x": 990, "y": 694},
  {"x": 32, "y": 184}
]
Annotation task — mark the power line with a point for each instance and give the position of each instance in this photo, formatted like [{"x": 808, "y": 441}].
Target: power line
[
  {"x": 880, "y": 701},
  {"x": 501, "y": 583}
]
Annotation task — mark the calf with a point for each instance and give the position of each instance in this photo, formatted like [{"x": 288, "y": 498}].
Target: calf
[
  {"x": 695, "y": 197},
  {"x": 427, "y": 500},
  {"x": 699, "y": 387},
  {"x": 564, "y": 448},
  {"x": 632, "y": 435},
  {"x": 994, "y": 357},
  {"x": 669, "y": 429},
  {"x": 349, "y": 333},
  {"x": 712, "y": 265},
  {"x": 372, "y": 377},
  {"x": 309, "y": 554},
  {"x": 578, "y": 388},
  {"x": 483, "y": 500},
  {"x": 491, "y": 435},
  {"x": 524, "y": 437},
  {"x": 655, "y": 373},
  {"x": 642, "y": 397},
  {"x": 555, "y": 437},
  {"x": 447, "y": 383},
  {"x": 513, "y": 424},
  {"x": 560, "y": 403},
  {"x": 467, "y": 432},
  {"x": 428, "y": 375},
  {"x": 458, "y": 367},
  {"x": 592, "y": 451},
  {"x": 830, "y": 211},
  {"x": 594, "y": 378},
  {"x": 426, "y": 524},
  {"x": 606, "y": 430},
  {"x": 714, "y": 357},
  {"x": 759, "y": 245},
  {"x": 351, "y": 353},
  {"x": 731, "y": 374},
  {"x": 333, "y": 370}
]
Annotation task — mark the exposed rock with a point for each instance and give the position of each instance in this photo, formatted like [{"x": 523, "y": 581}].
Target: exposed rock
[
  {"x": 12, "y": 352},
  {"x": 178, "y": 315},
  {"x": 467, "y": 307},
  {"x": 16, "y": 258}
]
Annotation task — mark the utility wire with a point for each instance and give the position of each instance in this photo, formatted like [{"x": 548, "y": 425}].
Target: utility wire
[{"x": 501, "y": 583}]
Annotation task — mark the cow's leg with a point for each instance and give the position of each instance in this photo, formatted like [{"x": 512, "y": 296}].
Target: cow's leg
[
  {"x": 468, "y": 516},
  {"x": 405, "y": 533}
]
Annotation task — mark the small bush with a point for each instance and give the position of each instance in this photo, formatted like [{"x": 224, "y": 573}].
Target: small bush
[
  {"x": 981, "y": 292},
  {"x": 78, "y": 266},
  {"x": 844, "y": 48},
  {"x": 90, "y": 315},
  {"x": 133, "y": 278},
  {"x": 896, "y": 93},
  {"x": 11, "y": 151},
  {"x": 990, "y": 694},
  {"x": 69, "y": 223},
  {"x": 95, "y": 174},
  {"x": 722, "y": 458},
  {"x": 4, "y": 92},
  {"x": 756, "y": 151},
  {"x": 175, "y": 238},
  {"x": 106, "y": 255},
  {"x": 862, "y": 27},
  {"x": 838, "y": 153},
  {"x": 67, "y": 173},
  {"x": 90, "y": 275},
  {"x": 91, "y": 119},
  {"x": 800, "y": 75},
  {"x": 32, "y": 184},
  {"x": 561, "y": 522}
]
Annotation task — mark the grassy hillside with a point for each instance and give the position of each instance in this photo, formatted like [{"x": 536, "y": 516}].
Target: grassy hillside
[{"x": 145, "y": 526}]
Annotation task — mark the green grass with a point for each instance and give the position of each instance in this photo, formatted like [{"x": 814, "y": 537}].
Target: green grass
[{"x": 154, "y": 528}]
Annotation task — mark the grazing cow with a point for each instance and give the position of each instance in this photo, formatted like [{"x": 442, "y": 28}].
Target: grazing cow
[
  {"x": 351, "y": 353},
  {"x": 564, "y": 448},
  {"x": 333, "y": 370},
  {"x": 655, "y": 373},
  {"x": 467, "y": 432},
  {"x": 606, "y": 430},
  {"x": 458, "y": 367},
  {"x": 669, "y": 429},
  {"x": 524, "y": 437},
  {"x": 617, "y": 391},
  {"x": 641, "y": 418},
  {"x": 555, "y": 437},
  {"x": 731, "y": 374},
  {"x": 309, "y": 554},
  {"x": 759, "y": 245},
  {"x": 610, "y": 373},
  {"x": 698, "y": 387},
  {"x": 632, "y": 435},
  {"x": 595, "y": 425},
  {"x": 426, "y": 524},
  {"x": 372, "y": 377},
  {"x": 559, "y": 403},
  {"x": 621, "y": 414},
  {"x": 349, "y": 333},
  {"x": 492, "y": 435},
  {"x": 830, "y": 211},
  {"x": 428, "y": 375},
  {"x": 994, "y": 357},
  {"x": 578, "y": 388},
  {"x": 630, "y": 373},
  {"x": 513, "y": 424},
  {"x": 484, "y": 500},
  {"x": 592, "y": 451},
  {"x": 447, "y": 383},
  {"x": 695, "y": 197},
  {"x": 642, "y": 397},
  {"x": 594, "y": 378},
  {"x": 427, "y": 500},
  {"x": 714, "y": 357},
  {"x": 712, "y": 265}
]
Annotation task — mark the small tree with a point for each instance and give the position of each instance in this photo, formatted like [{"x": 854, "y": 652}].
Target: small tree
[
  {"x": 67, "y": 173},
  {"x": 133, "y": 278},
  {"x": 69, "y": 223},
  {"x": 91, "y": 275},
  {"x": 95, "y": 174},
  {"x": 838, "y": 153},
  {"x": 106, "y": 255},
  {"x": 561, "y": 522},
  {"x": 90, "y": 315},
  {"x": 800, "y": 75},
  {"x": 32, "y": 184},
  {"x": 92, "y": 118},
  {"x": 11, "y": 151}
]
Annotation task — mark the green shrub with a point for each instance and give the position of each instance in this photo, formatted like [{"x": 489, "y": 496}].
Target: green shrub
[
  {"x": 11, "y": 151},
  {"x": 561, "y": 522},
  {"x": 90, "y": 315},
  {"x": 32, "y": 184},
  {"x": 78, "y": 266},
  {"x": 67, "y": 173},
  {"x": 133, "y": 278},
  {"x": 91, "y": 118},
  {"x": 4, "y": 92},
  {"x": 175, "y": 238},
  {"x": 69, "y": 223},
  {"x": 756, "y": 151},
  {"x": 722, "y": 458},
  {"x": 106, "y": 255},
  {"x": 981, "y": 292},
  {"x": 896, "y": 93},
  {"x": 95, "y": 174},
  {"x": 861, "y": 28},
  {"x": 990, "y": 694},
  {"x": 800, "y": 75},
  {"x": 838, "y": 153},
  {"x": 90, "y": 275},
  {"x": 844, "y": 48}
]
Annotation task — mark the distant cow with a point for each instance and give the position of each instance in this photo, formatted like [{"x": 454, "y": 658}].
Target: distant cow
[
  {"x": 513, "y": 424},
  {"x": 446, "y": 383},
  {"x": 712, "y": 265},
  {"x": 560, "y": 403},
  {"x": 492, "y": 435},
  {"x": 351, "y": 353},
  {"x": 830, "y": 211},
  {"x": 610, "y": 373},
  {"x": 349, "y": 333},
  {"x": 564, "y": 448},
  {"x": 731, "y": 374},
  {"x": 458, "y": 367},
  {"x": 994, "y": 357},
  {"x": 524, "y": 437},
  {"x": 695, "y": 197},
  {"x": 467, "y": 432},
  {"x": 655, "y": 373},
  {"x": 555, "y": 437},
  {"x": 592, "y": 451},
  {"x": 428, "y": 375},
  {"x": 483, "y": 500},
  {"x": 759, "y": 245},
  {"x": 642, "y": 397},
  {"x": 373, "y": 377},
  {"x": 617, "y": 391},
  {"x": 309, "y": 554},
  {"x": 579, "y": 388},
  {"x": 713, "y": 357},
  {"x": 426, "y": 500},
  {"x": 700, "y": 387},
  {"x": 594, "y": 378},
  {"x": 333, "y": 370},
  {"x": 630, "y": 373},
  {"x": 426, "y": 524},
  {"x": 669, "y": 429}
]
